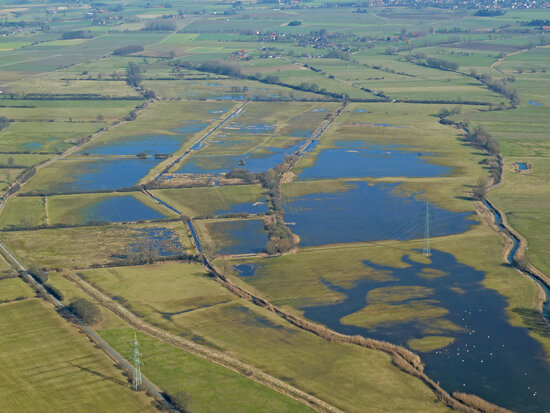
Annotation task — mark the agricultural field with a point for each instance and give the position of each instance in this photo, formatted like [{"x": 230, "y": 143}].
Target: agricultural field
[
  {"x": 49, "y": 366},
  {"x": 14, "y": 289},
  {"x": 300, "y": 206}
]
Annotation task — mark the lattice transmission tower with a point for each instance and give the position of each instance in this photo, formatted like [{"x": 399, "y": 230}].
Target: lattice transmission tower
[{"x": 136, "y": 382}]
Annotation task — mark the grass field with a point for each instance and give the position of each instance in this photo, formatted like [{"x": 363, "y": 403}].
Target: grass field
[
  {"x": 45, "y": 136},
  {"x": 210, "y": 388},
  {"x": 83, "y": 246},
  {"x": 14, "y": 289},
  {"x": 198, "y": 308},
  {"x": 23, "y": 211},
  {"x": 45, "y": 84},
  {"x": 51, "y": 367},
  {"x": 65, "y": 110},
  {"x": 195, "y": 202},
  {"x": 5, "y": 267}
]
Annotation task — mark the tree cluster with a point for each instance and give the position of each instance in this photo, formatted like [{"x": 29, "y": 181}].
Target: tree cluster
[
  {"x": 503, "y": 87},
  {"x": 85, "y": 310},
  {"x": 75, "y": 34},
  {"x": 126, "y": 50},
  {"x": 434, "y": 62},
  {"x": 4, "y": 122},
  {"x": 133, "y": 74},
  {"x": 160, "y": 26},
  {"x": 482, "y": 139}
]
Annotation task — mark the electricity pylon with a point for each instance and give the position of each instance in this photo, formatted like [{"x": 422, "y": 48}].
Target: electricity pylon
[
  {"x": 426, "y": 251},
  {"x": 136, "y": 382}
]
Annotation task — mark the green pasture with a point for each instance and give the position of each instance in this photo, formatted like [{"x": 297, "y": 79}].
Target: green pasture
[
  {"x": 58, "y": 84},
  {"x": 202, "y": 86},
  {"x": 525, "y": 61},
  {"x": 22, "y": 160},
  {"x": 45, "y": 136},
  {"x": 50, "y": 366},
  {"x": 186, "y": 302},
  {"x": 14, "y": 289},
  {"x": 23, "y": 211},
  {"x": 67, "y": 110},
  {"x": 71, "y": 292},
  {"x": 211, "y": 388},
  {"x": 524, "y": 197},
  {"x": 195, "y": 202},
  {"x": 5, "y": 267},
  {"x": 520, "y": 132},
  {"x": 8, "y": 175}
]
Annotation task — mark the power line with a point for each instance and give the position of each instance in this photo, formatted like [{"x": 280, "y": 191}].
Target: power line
[{"x": 426, "y": 251}]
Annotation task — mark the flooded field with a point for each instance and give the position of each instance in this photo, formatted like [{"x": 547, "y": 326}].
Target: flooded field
[
  {"x": 257, "y": 161},
  {"x": 238, "y": 237},
  {"x": 148, "y": 144},
  {"x": 119, "y": 209},
  {"x": 106, "y": 174},
  {"x": 488, "y": 357},
  {"x": 354, "y": 159},
  {"x": 367, "y": 212}
]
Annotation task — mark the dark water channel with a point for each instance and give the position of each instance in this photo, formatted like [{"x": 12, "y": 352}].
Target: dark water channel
[{"x": 489, "y": 357}]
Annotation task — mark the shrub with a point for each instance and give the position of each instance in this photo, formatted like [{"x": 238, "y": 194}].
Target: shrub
[
  {"x": 39, "y": 275},
  {"x": 85, "y": 310},
  {"x": 54, "y": 292},
  {"x": 181, "y": 401}
]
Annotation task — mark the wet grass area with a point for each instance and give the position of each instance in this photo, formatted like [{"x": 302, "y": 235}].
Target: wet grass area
[
  {"x": 257, "y": 161},
  {"x": 119, "y": 209},
  {"x": 367, "y": 212},
  {"x": 488, "y": 357},
  {"x": 165, "y": 242},
  {"x": 254, "y": 128},
  {"x": 148, "y": 144},
  {"x": 246, "y": 270},
  {"x": 258, "y": 207},
  {"x": 354, "y": 159},
  {"x": 105, "y": 175},
  {"x": 301, "y": 133},
  {"x": 238, "y": 237}
]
